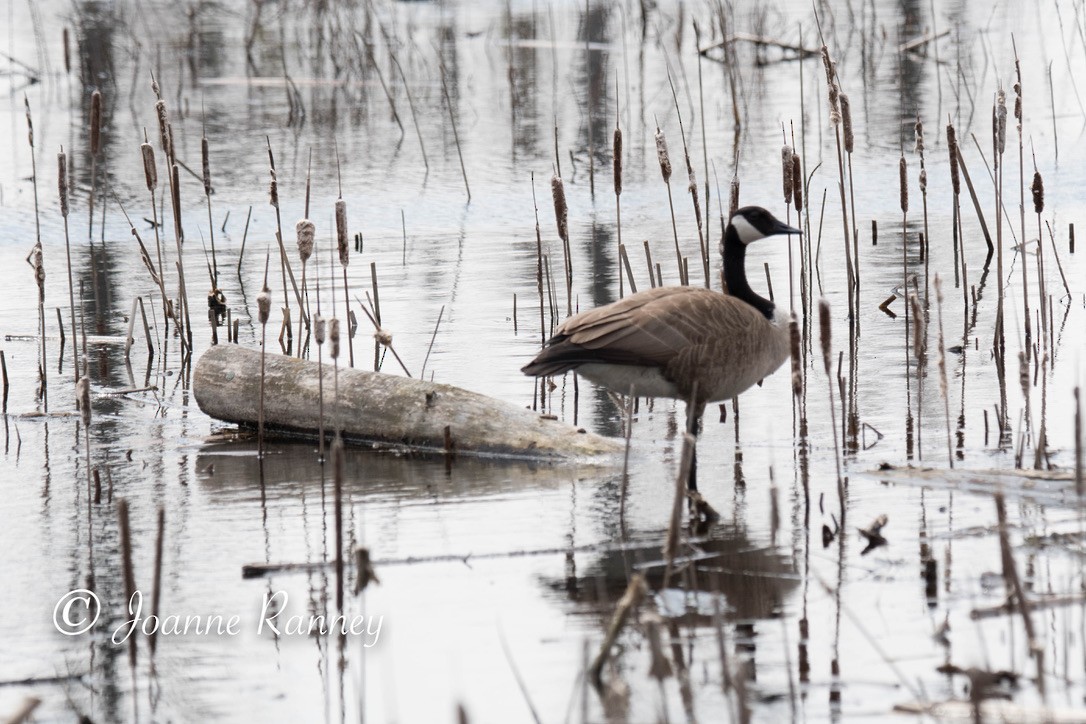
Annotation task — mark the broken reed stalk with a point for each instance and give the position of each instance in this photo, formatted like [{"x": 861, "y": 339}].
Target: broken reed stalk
[
  {"x": 37, "y": 263},
  {"x": 95, "y": 148},
  {"x": 1078, "y": 443},
  {"x": 692, "y": 187},
  {"x": 561, "y": 219},
  {"x": 636, "y": 591},
  {"x": 1014, "y": 582},
  {"x": 617, "y": 159},
  {"x": 825, "y": 332},
  {"x": 263, "y": 304},
  {"x": 129, "y": 577},
  {"x": 62, "y": 190},
  {"x": 665, "y": 171},
  {"x": 943, "y": 385}
]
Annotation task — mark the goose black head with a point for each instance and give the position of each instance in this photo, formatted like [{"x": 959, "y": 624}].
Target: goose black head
[{"x": 753, "y": 222}]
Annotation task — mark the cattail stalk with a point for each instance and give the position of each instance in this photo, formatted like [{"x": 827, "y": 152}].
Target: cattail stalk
[
  {"x": 95, "y": 148},
  {"x": 344, "y": 259},
  {"x": 850, "y": 144},
  {"x": 561, "y": 218},
  {"x": 825, "y": 331},
  {"x": 263, "y": 303},
  {"x": 284, "y": 262},
  {"x": 205, "y": 159},
  {"x": 37, "y": 263},
  {"x": 617, "y": 157},
  {"x": 1018, "y": 109},
  {"x": 62, "y": 190},
  {"x": 665, "y": 171},
  {"x": 692, "y": 187},
  {"x": 1037, "y": 188},
  {"x": 835, "y": 120}
]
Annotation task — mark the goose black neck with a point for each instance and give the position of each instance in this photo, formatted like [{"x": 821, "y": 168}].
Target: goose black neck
[{"x": 735, "y": 274}]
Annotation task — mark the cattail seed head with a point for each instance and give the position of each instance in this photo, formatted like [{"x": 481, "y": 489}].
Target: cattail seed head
[
  {"x": 205, "y": 157},
  {"x": 952, "y": 147},
  {"x": 618, "y": 161},
  {"x": 1038, "y": 189},
  {"x": 824, "y": 331},
  {"x": 829, "y": 65},
  {"x": 273, "y": 189},
  {"x": 918, "y": 130},
  {"x": 733, "y": 199},
  {"x": 786, "y": 173},
  {"x": 96, "y": 123},
  {"x": 150, "y": 169},
  {"x": 797, "y": 361},
  {"x": 1001, "y": 120},
  {"x": 662, "y": 156},
  {"x": 319, "y": 328},
  {"x": 903, "y": 178},
  {"x": 165, "y": 133},
  {"x": 797, "y": 183},
  {"x": 923, "y": 181},
  {"x": 1018, "y": 103},
  {"x": 82, "y": 399},
  {"x": 306, "y": 232},
  {"x": 333, "y": 336},
  {"x": 846, "y": 123},
  {"x": 263, "y": 304},
  {"x": 341, "y": 233},
  {"x": 62, "y": 182},
  {"x": 561, "y": 211},
  {"x": 383, "y": 337}
]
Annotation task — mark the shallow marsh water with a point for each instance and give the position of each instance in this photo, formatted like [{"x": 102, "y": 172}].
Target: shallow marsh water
[{"x": 493, "y": 572}]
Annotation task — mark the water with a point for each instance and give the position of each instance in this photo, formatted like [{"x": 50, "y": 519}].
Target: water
[{"x": 493, "y": 573}]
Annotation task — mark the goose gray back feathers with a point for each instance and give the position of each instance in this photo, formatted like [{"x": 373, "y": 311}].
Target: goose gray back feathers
[{"x": 667, "y": 342}]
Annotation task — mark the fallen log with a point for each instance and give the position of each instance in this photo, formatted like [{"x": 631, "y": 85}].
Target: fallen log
[{"x": 381, "y": 410}]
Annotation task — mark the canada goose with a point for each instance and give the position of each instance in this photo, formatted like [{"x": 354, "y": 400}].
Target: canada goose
[{"x": 687, "y": 343}]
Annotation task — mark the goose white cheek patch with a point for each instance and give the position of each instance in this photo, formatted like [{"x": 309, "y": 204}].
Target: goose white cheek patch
[{"x": 747, "y": 232}]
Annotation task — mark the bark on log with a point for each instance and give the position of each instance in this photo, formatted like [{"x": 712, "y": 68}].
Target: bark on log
[{"x": 381, "y": 410}]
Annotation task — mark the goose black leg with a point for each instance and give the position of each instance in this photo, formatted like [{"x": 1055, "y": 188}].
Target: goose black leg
[{"x": 693, "y": 424}]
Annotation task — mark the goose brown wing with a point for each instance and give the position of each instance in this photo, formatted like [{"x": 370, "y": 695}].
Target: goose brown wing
[{"x": 651, "y": 329}]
